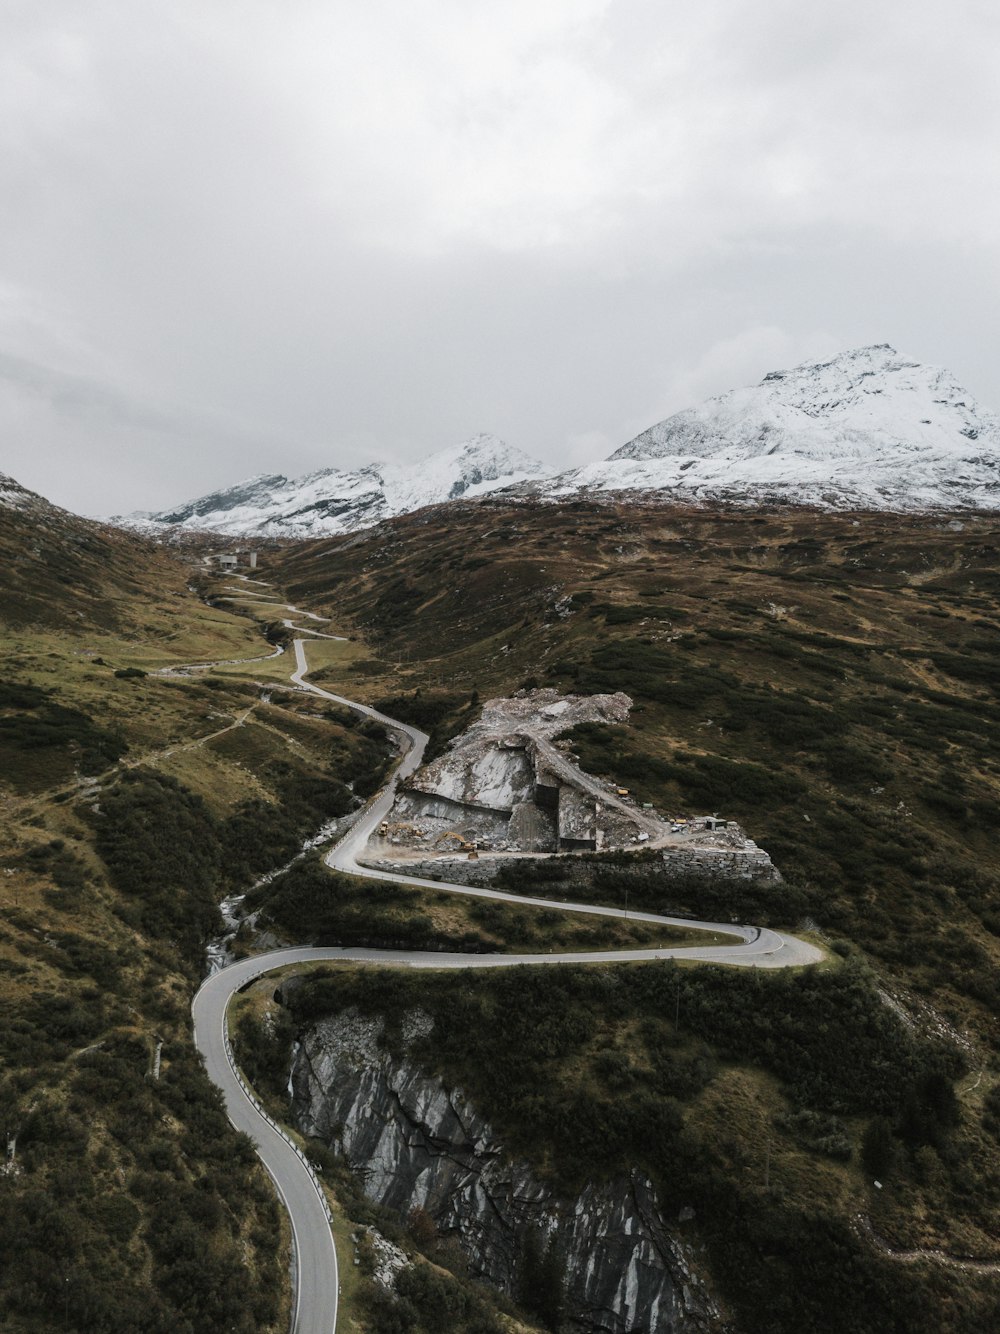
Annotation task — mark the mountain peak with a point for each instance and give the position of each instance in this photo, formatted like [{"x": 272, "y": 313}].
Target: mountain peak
[
  {"x": 329, "y": 501},
  {"x": 868, "y": 428},
  {"x": 873, "y": 359}
]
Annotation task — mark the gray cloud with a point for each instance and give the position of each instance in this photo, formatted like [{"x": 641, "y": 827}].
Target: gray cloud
[
  {"x": 78, "y": 397},
  {"x": 277, "y": 236}
]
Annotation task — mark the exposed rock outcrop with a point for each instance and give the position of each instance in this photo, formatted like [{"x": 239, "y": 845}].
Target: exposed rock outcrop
[
  {"x": 728, "y": 856},
  {"x": 504, "y": 784},
  {"x": 510, "y": 784},
  {"x": 414, "y": 1143}
]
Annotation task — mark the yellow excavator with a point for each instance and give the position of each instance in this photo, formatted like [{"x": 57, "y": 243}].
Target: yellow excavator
[{"x": 449, "y": 841}]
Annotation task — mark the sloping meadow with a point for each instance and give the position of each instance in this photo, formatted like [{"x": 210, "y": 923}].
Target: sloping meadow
[{"x": 832, "y": 682}]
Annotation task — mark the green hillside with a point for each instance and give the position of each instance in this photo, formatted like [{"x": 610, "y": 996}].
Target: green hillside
[
  {"x": 832, "y": 682},
  {"x": 131, "y": 804}
]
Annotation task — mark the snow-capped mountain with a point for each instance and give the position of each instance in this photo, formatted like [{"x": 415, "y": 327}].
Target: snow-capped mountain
[
  {"x": 331, "y": 501},
  {"x": 868, "y": 429}
]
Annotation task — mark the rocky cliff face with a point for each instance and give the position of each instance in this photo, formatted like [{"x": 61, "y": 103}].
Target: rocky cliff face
[
  {"x": 738, "y": 861},
  {"x": 508, "y": 784},
  {"x": 414, "y": 1143},
  {"x": 710, "y": 848}
]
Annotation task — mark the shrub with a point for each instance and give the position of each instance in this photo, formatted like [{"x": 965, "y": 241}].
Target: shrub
[
  {"x": 160, "y": 844},
  {"x": 31, "y": 721}
]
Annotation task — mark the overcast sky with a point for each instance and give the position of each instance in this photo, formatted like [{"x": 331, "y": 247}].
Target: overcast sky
[{"x": 240, "y": 236}]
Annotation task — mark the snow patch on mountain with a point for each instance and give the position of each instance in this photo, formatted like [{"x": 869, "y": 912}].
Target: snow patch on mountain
[
  {"x": 868, "y": 428},
  {"x": 14, "y": 496},
  {"x": 330, "y": 501}
]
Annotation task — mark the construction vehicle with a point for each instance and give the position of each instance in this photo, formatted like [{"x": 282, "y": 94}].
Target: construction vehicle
[
  {"x": 397, "y": 832},
  {"x": 449, "y": 841}
]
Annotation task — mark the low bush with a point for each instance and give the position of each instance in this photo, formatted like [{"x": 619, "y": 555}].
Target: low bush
[
  {"x": 310, "y": 902},
  {"x": 31, "y": 722},
  {"x": 161, "y": 847}
]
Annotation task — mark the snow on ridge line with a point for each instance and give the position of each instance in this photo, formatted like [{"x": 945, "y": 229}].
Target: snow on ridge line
[
  {"x": 869, "y": 429},
  {"x": 329, "y": 501},
  {"x": 14, "y": 496}
]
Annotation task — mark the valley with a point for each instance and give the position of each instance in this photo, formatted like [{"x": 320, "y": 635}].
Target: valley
[
  {"x": 824, "y": 679},
  {"x": 793, "y": 670},
  {"x": 499, "y": 669}
]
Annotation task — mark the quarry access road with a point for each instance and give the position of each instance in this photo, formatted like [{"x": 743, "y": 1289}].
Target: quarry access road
[
  {"x": 558, "y": 762},
  {"x": 315, "y": 1274},
  {"x": 758, "y": 947}
]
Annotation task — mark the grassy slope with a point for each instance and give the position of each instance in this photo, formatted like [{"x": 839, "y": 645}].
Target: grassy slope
[
  {"x": 829, "y": 680},
  {"x": 126, "y": 802},
  {"x": 132, "y": 1203},
  {"x": 310, "y": 903}
]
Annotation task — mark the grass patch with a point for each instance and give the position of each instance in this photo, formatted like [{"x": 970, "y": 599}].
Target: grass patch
[{"x": 310, "y": 903}]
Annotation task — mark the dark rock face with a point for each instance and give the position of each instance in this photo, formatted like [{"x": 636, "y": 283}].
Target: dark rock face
[
  {"x": 251, "y": 492},
  {"x": 414, "y": 1143},
  {"x": 746, "y": 862}
]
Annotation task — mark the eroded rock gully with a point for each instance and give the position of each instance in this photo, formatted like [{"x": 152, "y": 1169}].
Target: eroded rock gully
[{"x": 414, "y": 1143}]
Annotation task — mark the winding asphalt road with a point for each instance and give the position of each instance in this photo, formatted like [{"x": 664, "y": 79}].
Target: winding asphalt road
[{"x": 315, "y": 1260}]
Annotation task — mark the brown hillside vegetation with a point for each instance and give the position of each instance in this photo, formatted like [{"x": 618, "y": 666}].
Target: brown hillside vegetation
[
  {"x": 829, "y": 680},
  {"x": 131, "y": 803},
  {"x": 833, "y": 682}
]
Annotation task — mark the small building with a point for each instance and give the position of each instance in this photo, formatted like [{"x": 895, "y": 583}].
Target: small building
[{"x": 232, "y": 560}]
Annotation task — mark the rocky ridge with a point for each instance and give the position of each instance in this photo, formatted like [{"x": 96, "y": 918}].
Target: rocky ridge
[
  {"x": 14, "y": 496},
  {"x": 413, "y": 1143},
  {"x": 331, "y": 501},
  {"x": 867, "y": 429}
]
